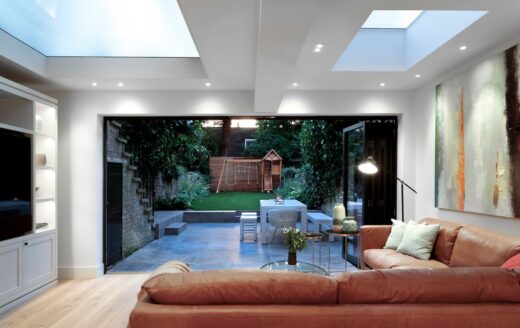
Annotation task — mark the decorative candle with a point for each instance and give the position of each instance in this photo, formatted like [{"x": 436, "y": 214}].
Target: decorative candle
[
  {"x": 338, "y": 211},
  {"x": 338, "y": 214}
]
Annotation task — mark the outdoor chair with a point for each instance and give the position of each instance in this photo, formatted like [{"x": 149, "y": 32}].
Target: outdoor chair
[{"x": 282, "y": 218}]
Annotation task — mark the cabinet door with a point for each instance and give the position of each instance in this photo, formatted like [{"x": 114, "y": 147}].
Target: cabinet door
[
  {"x": 10, "y": 282},
  {"x": 38, "y": 260}
]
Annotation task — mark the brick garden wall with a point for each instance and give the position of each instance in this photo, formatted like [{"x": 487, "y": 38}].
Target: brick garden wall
[{"x": 137, "y": 230}]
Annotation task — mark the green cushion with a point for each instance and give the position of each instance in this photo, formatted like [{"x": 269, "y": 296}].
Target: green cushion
[
  {"x": 418, "y": 240},
  {"x": 396, "y": 235}
]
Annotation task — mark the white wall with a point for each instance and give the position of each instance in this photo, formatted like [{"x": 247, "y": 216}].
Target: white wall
[
  {"x": 424, "y": 123},
  {"x": 80, "y": 140}
]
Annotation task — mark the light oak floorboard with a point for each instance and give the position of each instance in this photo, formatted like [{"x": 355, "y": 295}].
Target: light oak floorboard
[{"x": 103, "y": 302}]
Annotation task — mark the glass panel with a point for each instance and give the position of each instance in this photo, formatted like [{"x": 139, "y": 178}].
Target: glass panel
[
  {"x": 115, "y": 28},
  {"x": 355, "y": 154},
  {"x": 395, "y": 19}
]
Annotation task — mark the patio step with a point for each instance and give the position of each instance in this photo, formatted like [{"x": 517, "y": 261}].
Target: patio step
[
  {"x": 163, "y": 219},
  {"x": 175, "y": 228},
  {"x": 136, "y": 179},
  {"x": 127, "y": 154},
  {"x": 132, "y": 167},
  {"x": 141, "y": 190},
  {"x": 211, "y": 217},
  {"x": 145, "y": 201}
]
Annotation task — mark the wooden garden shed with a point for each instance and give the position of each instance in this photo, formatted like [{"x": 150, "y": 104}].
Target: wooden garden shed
[
  {"x": 272, "y": 171},
  {"x": 246, "y": 173}
]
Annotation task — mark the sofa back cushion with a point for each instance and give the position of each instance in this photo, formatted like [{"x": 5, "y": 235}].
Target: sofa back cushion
[
  {"x": 479, "y": 247},
  {"x": 446, "y": 238},
  {"x": 454, "y": 285},
  {"x": 234, "y": 287}
]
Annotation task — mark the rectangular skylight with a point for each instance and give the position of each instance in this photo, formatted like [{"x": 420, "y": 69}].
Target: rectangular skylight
[
  {"x": 99, "y": 28},
  {"x": 391, "y": 19}
]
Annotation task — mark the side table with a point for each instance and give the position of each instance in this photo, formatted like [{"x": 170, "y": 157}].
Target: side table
[
  {"x": 315, "y": 237},
  {"x": 341, "y": 234}
]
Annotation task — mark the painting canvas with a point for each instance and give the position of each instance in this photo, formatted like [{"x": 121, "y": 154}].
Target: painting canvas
[{"x": 477, "y": 141}]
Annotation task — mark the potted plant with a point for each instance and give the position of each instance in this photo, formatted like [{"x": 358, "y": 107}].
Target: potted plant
[{"x": 296, "y": 241}]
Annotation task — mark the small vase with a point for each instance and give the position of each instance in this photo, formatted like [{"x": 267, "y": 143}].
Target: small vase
[
  {"x": 291, "y": 260},
  {"x": 350, "y": 224}
]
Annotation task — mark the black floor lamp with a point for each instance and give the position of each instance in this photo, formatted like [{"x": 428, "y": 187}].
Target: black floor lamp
[{"x": 369, "y": 166}]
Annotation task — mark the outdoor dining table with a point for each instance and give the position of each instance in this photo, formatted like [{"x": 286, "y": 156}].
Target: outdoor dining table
[{"x": 288, "y": 204}]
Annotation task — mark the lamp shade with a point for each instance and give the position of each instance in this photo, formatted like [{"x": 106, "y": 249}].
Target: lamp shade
[{"x": 368, "y": 166}]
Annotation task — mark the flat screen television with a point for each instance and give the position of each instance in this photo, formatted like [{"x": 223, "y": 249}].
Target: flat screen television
[{"x": 15, "y": 184}]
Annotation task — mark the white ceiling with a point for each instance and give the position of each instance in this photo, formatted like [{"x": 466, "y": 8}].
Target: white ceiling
[{"x": 265, "y": 45}]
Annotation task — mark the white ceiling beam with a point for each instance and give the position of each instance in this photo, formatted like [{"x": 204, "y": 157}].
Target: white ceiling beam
[
  {"x": 282, "y": 32},
  {"x": 224, "y": 33}
]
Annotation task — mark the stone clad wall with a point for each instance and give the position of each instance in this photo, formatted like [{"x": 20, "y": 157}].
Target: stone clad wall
[
  {"x": 137, "y": 228},
  {"x": 164, "y": 188}
]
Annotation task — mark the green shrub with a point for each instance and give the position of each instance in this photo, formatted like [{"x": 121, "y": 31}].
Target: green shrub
[
  {"x": 292, "y": 183},
  {"x": 190, "y": 187},
  {"x": 169, "y": 203}
]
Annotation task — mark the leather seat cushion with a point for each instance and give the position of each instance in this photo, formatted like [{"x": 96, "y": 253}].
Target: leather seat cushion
[
  {"x": 235, "y": 287},
  {"x": 452, "y": 285},
  {"x": 390, "y": 259}
]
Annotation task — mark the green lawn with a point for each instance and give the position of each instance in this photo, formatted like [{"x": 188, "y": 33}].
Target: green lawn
[{"x": 225, "y": 201}]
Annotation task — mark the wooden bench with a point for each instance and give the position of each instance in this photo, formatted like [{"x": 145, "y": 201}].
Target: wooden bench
[{"x": 320, "y": 219}]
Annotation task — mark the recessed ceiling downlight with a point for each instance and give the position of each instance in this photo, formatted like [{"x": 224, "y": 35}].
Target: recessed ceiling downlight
[
  {"x": 382, "y": 84},
  {"x": 295, "y": 84},
  {"x": 207, "y": 84},
  {"x": 417, "y": 76},
  {"x": 94, "y": 84},
  {"x": 462, "y": 48},
  {"x": 120, "y": 84}
]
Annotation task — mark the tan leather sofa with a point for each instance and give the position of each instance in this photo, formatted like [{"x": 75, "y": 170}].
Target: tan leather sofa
[
  {"x": 456, "y": 246},
  {"x": 458, "y": 297}
]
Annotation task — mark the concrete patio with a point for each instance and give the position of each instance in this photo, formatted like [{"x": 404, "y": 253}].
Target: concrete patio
[{"x": 213, "y": 246}]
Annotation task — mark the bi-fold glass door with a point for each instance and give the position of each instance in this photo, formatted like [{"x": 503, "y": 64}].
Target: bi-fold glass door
[{"x": 370, "y": 199}]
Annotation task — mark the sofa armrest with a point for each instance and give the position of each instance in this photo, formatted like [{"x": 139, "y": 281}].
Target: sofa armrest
[{"x": 372, "y": 237}]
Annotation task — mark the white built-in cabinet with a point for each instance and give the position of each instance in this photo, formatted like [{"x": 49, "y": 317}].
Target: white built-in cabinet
[{"x": 28, "y": 263}]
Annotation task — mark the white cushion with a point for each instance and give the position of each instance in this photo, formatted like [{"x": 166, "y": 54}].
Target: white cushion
[
  {"x": 418, "y": 240},
  {"x": 396, "y": 235}
]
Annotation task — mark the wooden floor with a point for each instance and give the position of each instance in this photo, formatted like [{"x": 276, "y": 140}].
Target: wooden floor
[{"x": 92, "y": 303}]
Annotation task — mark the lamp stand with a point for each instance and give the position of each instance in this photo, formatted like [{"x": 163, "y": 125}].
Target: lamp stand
[{"x": 403, "y": 184}]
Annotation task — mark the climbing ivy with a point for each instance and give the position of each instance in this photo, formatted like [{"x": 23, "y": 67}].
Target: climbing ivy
[{"x": 321, "y": 145}]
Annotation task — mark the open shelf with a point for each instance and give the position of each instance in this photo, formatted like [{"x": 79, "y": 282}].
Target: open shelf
[
  {"x": 44, "y": 135},
  {"x": 45, "y": 167},
  {"x": 45, "y": 145},
  {"x": 44, "y": 199}
]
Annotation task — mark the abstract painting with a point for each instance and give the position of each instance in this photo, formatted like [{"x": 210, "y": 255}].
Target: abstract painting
[{"x": 477, "y": 139}]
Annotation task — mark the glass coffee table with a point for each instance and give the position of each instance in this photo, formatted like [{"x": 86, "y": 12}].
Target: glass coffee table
[{"x": 299, "y": 267}]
